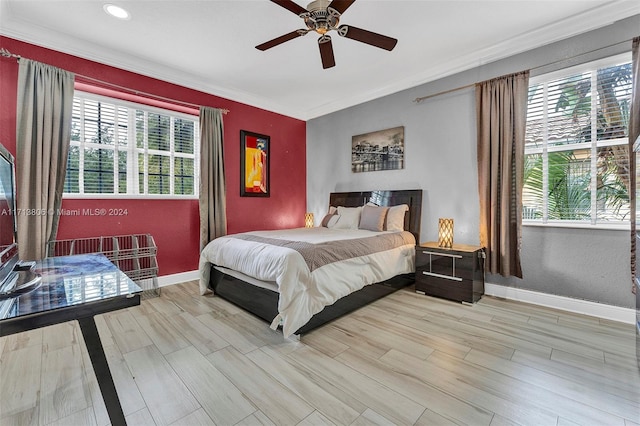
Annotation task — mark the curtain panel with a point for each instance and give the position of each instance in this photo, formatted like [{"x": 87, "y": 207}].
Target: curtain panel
[
  {"x": 634, "y": 147},
  {"x": 43, "y": 132},
  {"x": 213, "y": 215},
  {"x": 501, "y": 110}
]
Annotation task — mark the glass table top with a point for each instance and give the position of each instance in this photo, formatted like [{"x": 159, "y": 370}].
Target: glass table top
[{"x": 67, "y": 281}]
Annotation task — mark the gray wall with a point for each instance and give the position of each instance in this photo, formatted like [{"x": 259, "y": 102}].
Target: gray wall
[{"x": 440, "y": 159}]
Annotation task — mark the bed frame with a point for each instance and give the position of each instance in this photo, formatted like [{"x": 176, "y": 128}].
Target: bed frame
[{"x": 264, "y": 302}]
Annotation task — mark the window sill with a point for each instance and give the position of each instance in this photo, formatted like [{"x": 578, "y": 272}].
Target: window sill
[
  {"x": 127, "y": 197},
  {"x": 624, "y": 226}
]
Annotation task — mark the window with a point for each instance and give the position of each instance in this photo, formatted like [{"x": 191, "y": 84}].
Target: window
[
  {"x": 122, "y": 148},
  {"x": 576, "y": 145}
]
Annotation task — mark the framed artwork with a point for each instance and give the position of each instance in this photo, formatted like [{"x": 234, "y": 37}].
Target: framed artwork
[
  {"x": 381, "y": 150},
  {"x": 254, "y": 164}
]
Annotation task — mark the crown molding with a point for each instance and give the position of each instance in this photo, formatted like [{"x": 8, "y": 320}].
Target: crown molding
[
  {"x": 33, "y": 34},
  {"x": 595, "y": 18}
]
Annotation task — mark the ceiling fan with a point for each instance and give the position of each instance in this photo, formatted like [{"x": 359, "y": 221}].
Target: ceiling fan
[{"x": 323, "y": 16}]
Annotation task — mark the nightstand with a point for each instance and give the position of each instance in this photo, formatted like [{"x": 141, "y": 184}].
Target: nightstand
[{"x": 456, "y": 273}]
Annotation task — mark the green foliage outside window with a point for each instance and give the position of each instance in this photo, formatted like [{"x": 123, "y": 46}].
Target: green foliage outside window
[{"x": 598, "y": 168}]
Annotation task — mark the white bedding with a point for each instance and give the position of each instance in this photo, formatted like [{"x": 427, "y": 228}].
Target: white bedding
[{"x": 304, "y": 293}]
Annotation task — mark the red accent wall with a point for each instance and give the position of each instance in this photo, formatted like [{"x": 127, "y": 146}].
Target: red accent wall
[{"x": 174, "y": 224}]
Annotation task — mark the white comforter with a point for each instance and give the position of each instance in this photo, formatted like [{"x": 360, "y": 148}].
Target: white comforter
[{"x": 304, "y": 293}]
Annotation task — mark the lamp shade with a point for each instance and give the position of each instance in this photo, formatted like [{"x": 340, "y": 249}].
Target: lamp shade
[
  {"x": 445, "y": 232},
  {"x": 308, "y": 220}
]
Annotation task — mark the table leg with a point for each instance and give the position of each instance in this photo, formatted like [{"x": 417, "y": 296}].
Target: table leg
[{"x": 101, "y": 370}]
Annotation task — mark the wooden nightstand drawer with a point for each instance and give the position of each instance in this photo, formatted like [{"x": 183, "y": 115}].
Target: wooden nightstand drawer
[
  {"x": 455, "y": 274},
  {"x": 453, "y": 264},
  {"x": 461, "y": 291}
]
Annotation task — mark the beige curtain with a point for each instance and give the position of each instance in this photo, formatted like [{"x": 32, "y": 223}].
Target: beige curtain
[
  {"x": 501, "y": 109},
  {"x": 45, "y": 101},
  {"x": 634, "y": 145},
  {"x": 213, "y": 215}
]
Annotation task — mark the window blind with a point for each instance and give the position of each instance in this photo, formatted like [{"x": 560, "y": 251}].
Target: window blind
[
  {"x": 118, "y": 147},
  {"x": 576, "y": 154}
]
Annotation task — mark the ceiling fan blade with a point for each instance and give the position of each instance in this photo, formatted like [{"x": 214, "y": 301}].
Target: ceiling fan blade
[
  {"x": 341, "y": 5},
  {"x": 279, "y": 40},
  {"x": 291, "y": 6},
  {"x": 368, "y": 37},
  {"x": 326, "y": 52}
]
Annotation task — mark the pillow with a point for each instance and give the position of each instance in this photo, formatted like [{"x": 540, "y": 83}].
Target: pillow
[
  {"x": 333, "y": 219},
  {"x": 326, "y": 219},
  {"x": 332, "y": 210},
  {"x": 349, "y": 217},
  {"x": 372, "y": 218},
  {"x": 395, "y": 218}
]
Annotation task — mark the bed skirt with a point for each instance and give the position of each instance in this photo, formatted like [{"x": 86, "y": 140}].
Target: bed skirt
[{"x": 263, "y": 302}]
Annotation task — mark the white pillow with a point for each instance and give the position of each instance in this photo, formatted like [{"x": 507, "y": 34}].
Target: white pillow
[
  {"x": 349, "y": 217},
  {"x": 395, "y": 218}
]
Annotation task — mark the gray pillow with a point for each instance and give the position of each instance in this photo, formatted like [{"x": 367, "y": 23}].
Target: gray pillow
[
  {"x": 333, "y": 221},
  {"x": 372, "y": 218},
  {"x": 326, "y": 219}
]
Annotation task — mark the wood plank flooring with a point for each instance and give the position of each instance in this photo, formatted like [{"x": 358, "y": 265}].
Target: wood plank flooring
[{"x": 409, "y": 359}]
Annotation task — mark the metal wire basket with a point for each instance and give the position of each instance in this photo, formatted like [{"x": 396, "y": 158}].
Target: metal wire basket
[{"x": 135, "y": 255}]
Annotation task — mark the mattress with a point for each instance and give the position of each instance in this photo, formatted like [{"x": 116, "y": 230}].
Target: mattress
[{"x": 311, "y": 267}]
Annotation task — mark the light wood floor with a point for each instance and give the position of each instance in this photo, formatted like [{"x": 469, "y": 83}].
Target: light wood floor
[{"x": 184, "y": 359}]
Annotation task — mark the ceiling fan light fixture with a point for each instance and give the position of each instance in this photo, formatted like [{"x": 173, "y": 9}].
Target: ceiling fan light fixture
[
  {"x": 320, "y": 18},
  {"x": 323, "y": 16},
  {"x": 322, "y": 28},
  {"x": 116, "y": 11}
]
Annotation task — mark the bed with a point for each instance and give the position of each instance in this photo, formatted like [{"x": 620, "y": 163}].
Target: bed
[{"x": 292, "y": 286}]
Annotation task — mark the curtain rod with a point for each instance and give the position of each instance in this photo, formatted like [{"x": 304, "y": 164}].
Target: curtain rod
[
  {"x": 6, "y": 54},
  {"x": 466, "y": 86}
]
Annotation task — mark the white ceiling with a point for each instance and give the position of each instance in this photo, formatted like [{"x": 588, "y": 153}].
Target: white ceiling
[{"x": 209, "y": 45}]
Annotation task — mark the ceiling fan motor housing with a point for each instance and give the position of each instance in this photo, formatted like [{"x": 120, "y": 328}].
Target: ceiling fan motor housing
[{"x": 321, "y": 18}]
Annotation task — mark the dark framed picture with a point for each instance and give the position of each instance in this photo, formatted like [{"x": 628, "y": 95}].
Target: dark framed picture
[
  {"x": 381, "y": 150},
  {"x": 254, "y": 164}
]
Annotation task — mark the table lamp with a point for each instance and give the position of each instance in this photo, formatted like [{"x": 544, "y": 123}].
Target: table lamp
[
  {"x": 445, "y": 232},
  {"x": 308, "y": 220}
]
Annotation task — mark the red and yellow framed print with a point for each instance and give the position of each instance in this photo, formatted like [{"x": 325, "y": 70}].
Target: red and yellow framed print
[{"x": 254, "y": 164}]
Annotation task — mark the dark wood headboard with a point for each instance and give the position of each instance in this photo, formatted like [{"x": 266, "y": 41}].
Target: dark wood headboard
[{"x": 410, "y": 197}]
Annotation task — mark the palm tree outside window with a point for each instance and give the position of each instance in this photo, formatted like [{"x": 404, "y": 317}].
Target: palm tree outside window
[{"x": 576, "y": 145}]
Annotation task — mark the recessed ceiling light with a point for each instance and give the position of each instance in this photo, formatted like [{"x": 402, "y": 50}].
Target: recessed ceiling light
[{"x": 116, "y": 11}]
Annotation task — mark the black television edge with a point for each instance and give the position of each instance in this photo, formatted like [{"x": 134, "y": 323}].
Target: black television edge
[{"x": 8, "y": 223}]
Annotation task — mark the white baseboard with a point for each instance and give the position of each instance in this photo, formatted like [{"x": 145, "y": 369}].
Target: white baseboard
[
  {"x": 180, "y": 277},
  {"x": 585, "y": 307},
  {"x": 600, "y": 310}
]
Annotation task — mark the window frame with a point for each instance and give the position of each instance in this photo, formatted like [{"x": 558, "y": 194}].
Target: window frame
[
  {"x": 593, "y": 222},
  {"x": 132, "y": 151}
]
